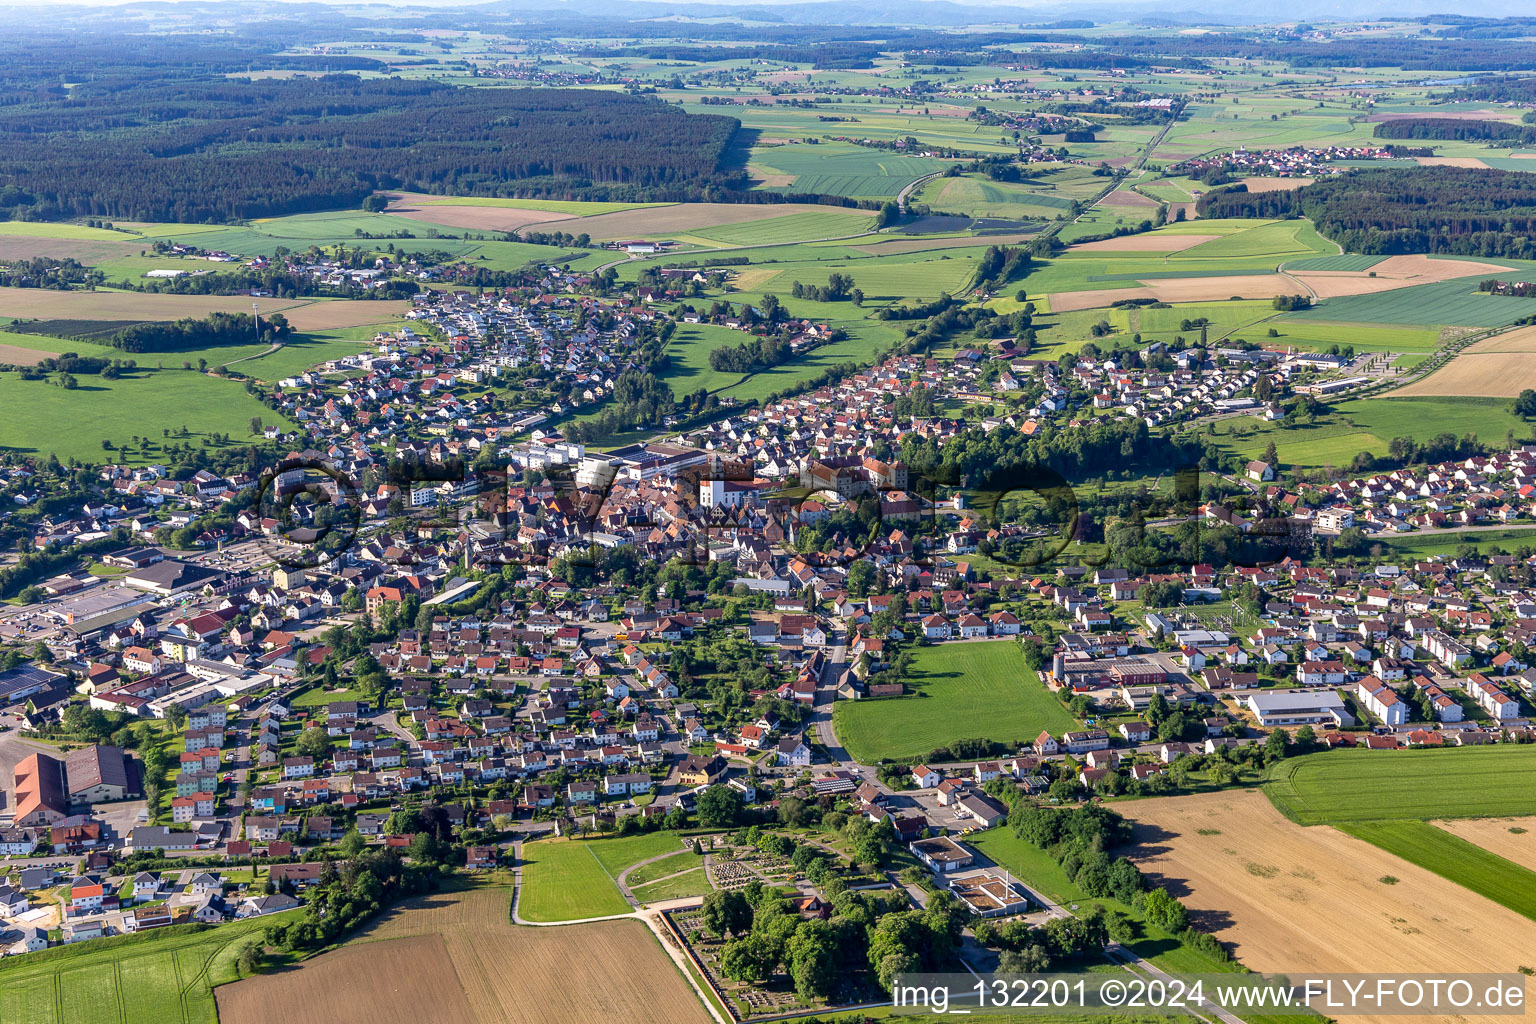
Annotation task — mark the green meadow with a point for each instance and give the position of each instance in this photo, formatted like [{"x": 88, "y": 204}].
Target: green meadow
[{"x": 961, "y": 691}]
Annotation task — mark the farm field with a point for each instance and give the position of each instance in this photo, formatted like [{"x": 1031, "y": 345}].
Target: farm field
[
  {"x": 1359, "y": 785},
  {"x": 1273, "y": 891},
  {"x": 46, "y": 418},
  {"x": 682, "y": 218},
  {"x": 839, "y": 168},
  {"x": 1456, "y": 301},
  {"x": 1318, "y": 335},
  {"x": 1452, "y": 857},
  {"x": 459, "y": 947},
  {"x": 964, "y": 690},
  {"x": 1478, "y": 374},
  {"x": 48, "y": 304},
  {"x": 890, "y": 278},
  {"x": 564, "y": 881},
  {"x": 826, "y": 222},
  {"x": 1513, "y": 839},
  {"x": 165, "y": 976}
]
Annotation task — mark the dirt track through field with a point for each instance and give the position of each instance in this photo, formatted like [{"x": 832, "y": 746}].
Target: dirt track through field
[
  {"x": 457, "y": 959},
  {"x": 1288, "y": 898},
  {"x": 1511, "y": 838}
]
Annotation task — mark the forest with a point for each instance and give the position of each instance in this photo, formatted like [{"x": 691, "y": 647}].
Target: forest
[
  {"x": 1386, "y": 210},
  {"x": 1454, "y": 129},
  {"x": 212, "y": 150},
  {"x": 190, "y": 333}
]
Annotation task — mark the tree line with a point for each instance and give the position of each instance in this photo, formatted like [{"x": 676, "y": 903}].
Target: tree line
[
  {"x": 1386, "y": 210},
  {"x": 1453, "y": 129}
]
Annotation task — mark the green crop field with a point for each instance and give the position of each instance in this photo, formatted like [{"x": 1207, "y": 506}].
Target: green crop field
[
  {"x": 163, "y": 976},
  {"x": 49, "y": 229},
  {"x": 1421, "y": 418},
  {"x": 837, "y": 168},
  {"x": 793, "y": 228},
  {"x": 1369, "y": 785},
  {"x": 43, "y": 417},
  {"x": 1317, "y": 335},
  {"x": 1276, "y": 239},
  {"x": 887, "y": 278},
  {"x": 1468, "y": 865},
  {"x": 1456, "y": 301},
  {"x": 963, "y": 690},
  {"x": 563, "y": 880},
  {"x": 1339, "y": 261}
]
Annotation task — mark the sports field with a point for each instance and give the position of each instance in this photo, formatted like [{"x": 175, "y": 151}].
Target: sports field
[
  {"x": 963, "y": 690},
  {"x": 1367, "y": 785},
  {"x": 1452, "y": 857}
]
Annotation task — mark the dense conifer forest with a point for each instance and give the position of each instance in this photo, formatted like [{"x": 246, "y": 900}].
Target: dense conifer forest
[
  {"x": 209, "y": 149},
  {"x": 1384, "y": 210}
]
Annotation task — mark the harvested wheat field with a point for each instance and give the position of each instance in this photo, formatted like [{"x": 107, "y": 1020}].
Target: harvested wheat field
[
  {"x": 1392, "y": 273},
  {"x": 1125, "y": 197},
  {"x": 18, "y": 356},
  {"x": 482, "y": 218},
  {"x": 47, "y": 304},
  {"x": 461, "y": 951},
  {"x": 330, "y": 314},
  {"x": 1513, "y": 839},
  {"x": 1211, "y": 289},
  {"x": 1066, "y": 302},
  {"x": 1478, "y": 374},
  {"x": 1289, "y": 898},
  {"x": 1264, "y": 184},
  {"x": 1449, "y": 161},
  {"x": 1150, "y": 242},
  {"x": 403, "y": 981},
  {"x": 1521, "y": 339}
]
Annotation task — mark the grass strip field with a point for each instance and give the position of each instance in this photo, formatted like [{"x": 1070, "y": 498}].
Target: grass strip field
[
  {"x": 156, "y": 976},
  {"x": 563, "y": 880},
  {"x": 1452, "y": 857},
  {"x": 964, "y": 690},
  {"x": 1341, "y": 786}
]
